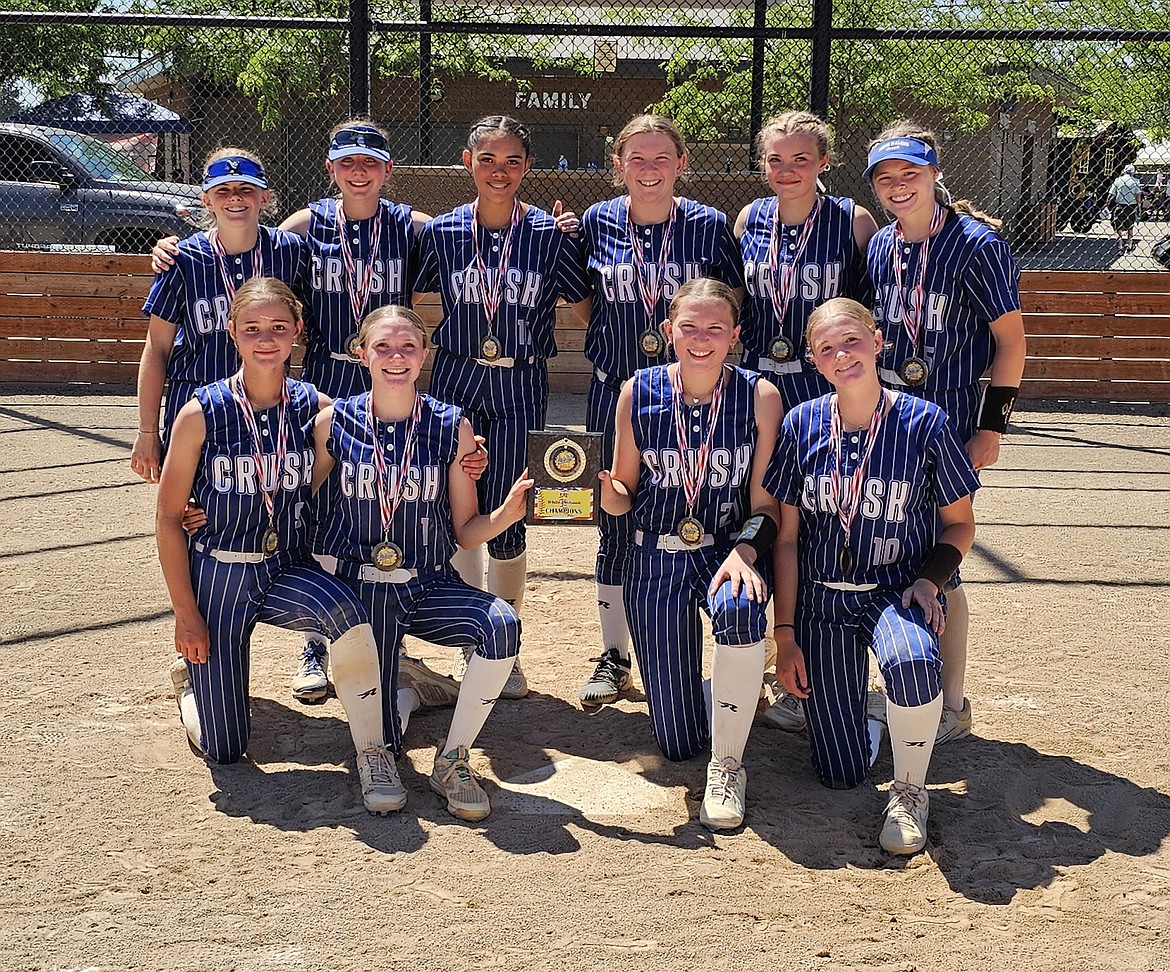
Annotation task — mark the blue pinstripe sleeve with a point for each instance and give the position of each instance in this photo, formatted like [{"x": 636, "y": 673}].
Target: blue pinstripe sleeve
[
  {"x": 782, "y": 478},
  {"x": 993, "y": 280},
  {"x": 427, "y": 274},
  {"x": 165, "y": 299},
  {"x": 953, "y": 476}
]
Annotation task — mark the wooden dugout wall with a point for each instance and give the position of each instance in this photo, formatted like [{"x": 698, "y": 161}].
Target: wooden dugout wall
[{"x": 75, "y": 321}]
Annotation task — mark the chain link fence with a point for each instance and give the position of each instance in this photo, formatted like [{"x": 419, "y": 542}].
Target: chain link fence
[{"x": 109, "y": 108}]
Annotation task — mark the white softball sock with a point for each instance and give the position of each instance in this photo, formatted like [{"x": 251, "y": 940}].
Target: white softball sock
[
  {"x": 611, "y": 608},
  {"x": 736, "y": 672},
  {"x": 357, "y": 680},
  {"x": 468, "y": 563},
  {"x": 407, "y": 702},
  {"x": 506, "y": 579},
  {"x": 478, "y": 691},
  {"x": 953, "y": 648},
  {"x": 912, "y": 731}
]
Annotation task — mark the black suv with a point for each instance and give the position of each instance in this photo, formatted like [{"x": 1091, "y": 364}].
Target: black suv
[{"x": 60, "y": 187}]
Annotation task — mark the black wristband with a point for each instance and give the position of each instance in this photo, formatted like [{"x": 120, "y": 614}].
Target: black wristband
[
  {"x": 941, "y": 564},
  {"x": 997, "y": 407},
  {"x": 758, "y": 532}
]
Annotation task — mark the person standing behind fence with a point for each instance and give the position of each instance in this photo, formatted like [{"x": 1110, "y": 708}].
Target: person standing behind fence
[
  {"x": 500, "y": 266},
  {"x": 187, "y": 343},
  {"x": 641, "y": 247},
  {"x": 946, "y": 293},
  {"x": 1125, "y": 204}
]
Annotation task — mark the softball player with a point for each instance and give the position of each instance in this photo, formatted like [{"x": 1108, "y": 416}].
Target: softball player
[
  {"x": 187, "y": 344},
  {"x": 397, "y": 501},
  {"x": 800, "y": 247},
  {"x": 946, "y": 293},
  {"x": 241, "y": 448},
  {"x": 693, "y": 439},
  {"x": 875, "y": 516},
  {"x": 500, "y": 265},
  {"x": 641, "y": 247}
]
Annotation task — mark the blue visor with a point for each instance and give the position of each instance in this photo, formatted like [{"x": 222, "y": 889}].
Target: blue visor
[
  {"x": 912, "y": 150},
  {"x": 360, "y": 141},
  {"x": 235, "y": 168}
]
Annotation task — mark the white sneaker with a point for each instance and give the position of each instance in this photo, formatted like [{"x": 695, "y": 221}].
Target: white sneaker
[
  {"x": 787, "y": 713},
  {"x": 382, "y": 789},
  {"x": 185, "y": 698},
  {"x": 609, "y": 679},
  {"x": 434, "y": 690},
  {"x": 904, "y": 831},
  {"x": 454, "y": 779},
  {"x": 954, "y": 725},
  {"x": 723, "y": 800},
  {"x": 517, "y": 685},
  {"x": 311, "y": 681}
]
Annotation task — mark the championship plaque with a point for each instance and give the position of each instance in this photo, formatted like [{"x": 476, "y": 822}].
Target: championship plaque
[{"x": 563, "y": 464}]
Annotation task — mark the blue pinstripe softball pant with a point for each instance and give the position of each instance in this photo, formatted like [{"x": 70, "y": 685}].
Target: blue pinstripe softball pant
[
  {"x": 835, "y": 629},
  {"x": 286, "y": 590},
  {"x": 616, "y": 532}
]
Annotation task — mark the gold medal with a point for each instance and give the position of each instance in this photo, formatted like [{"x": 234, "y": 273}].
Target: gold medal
[
  {"x": 490, "y": 350},
  {"x": 914, "y": 371},
  {"x": 781, "y": 350},
  {"x": 353, "y": 347},
  {"x": 651, "y": 342},
  {"x": 564, "y": 460},
  {"x": 387, "y": 556},
  {"x": 271, "y": 542},
  {"x": 690, "y": 531}
]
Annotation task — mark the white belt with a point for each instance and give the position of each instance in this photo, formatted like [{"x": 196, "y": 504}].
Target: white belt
[
  {"x": 503, "y": 362},
  {"x": 231, "y": 556},
  {"x": 846, "y": 586},
  {"x": 371, "y": 575},
  {"x": 891, "y": 377},
  {"x": 670, "y": 542},
  {"x": 779, "y": 367}
]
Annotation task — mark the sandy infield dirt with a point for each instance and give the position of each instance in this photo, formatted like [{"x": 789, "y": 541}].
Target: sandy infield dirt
[{"x": 1048, "y": 831}]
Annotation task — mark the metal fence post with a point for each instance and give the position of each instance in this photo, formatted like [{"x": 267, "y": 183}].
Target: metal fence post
[
  {"x": 359, "y": 57},
  {"x": 822, "y": 46},
  {"x": 425, "y": 84},
  {"x": 759, "y": 51}
]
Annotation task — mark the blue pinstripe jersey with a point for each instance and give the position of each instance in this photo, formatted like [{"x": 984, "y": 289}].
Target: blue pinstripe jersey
[
  {"x": 331, "y": 322},
  {"x": 917, "y": 466},
  {"x": 702, "y": 246},
  {"x": 972, "y": 279},
  {"x": 191, "y": 296},
  {"x": 351, "y": 510},
  {"x": 545, "y": 264},
  {"x": 724, "y": 499},
  {"x": 830, "y": 266},
  {"x": 227, "y": 485}
]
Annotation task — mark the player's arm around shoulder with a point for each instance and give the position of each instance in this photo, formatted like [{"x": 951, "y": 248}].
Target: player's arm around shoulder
[
  {"x": 178, "y": 476},
  {"x": 472, "y": 527},
  {"x": 298, "y": 222},
  {"x": 323, "y": 462},
  {"x": 619, "y": 485}
]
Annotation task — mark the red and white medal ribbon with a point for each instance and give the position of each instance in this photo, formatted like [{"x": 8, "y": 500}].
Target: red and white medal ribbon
[
  {"x": 693, "y": 476},
  {"x": 390, "y": 494},
  {"x": 229, "y": 283},
  {"x": 651, "y": 291},
  {"x": 847, "y": 502},
  {"x": 784, "y": 273},
  {"x": 267, "y": 489},
  {"x": 914, "y": 310},
  {"x": 359, "y": 291},
  {"x": 493, "y": 295}
]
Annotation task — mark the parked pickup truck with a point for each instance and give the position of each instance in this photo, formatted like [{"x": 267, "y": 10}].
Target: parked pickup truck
[{"x": 62, "y": 188}]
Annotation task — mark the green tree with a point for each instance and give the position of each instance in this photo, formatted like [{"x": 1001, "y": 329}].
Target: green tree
[{"x": 59, "y": 59}]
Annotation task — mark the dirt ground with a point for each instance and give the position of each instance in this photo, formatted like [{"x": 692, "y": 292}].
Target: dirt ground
[{"x": 1048, "y": 830}]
